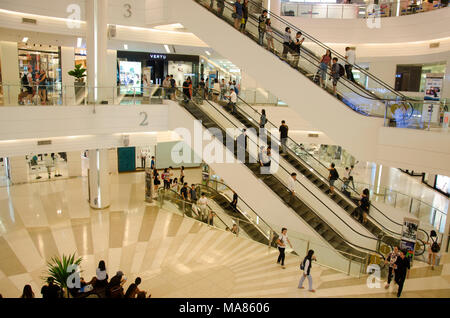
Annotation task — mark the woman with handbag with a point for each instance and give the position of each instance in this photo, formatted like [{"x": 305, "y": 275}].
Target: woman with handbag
[{"x": 238, "y": 13}]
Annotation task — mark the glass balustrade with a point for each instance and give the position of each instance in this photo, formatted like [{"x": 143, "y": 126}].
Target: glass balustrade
[{"x": 383, "y": 9}]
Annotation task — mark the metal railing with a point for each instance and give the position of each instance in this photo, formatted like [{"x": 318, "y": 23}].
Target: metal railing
[
  {"x": 70, "y": 95},
  {"x": 357, "y": 11},
  {"x": 353, "y": 265}
]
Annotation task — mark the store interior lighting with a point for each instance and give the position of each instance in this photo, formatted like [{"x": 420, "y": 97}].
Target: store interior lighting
[
  {"x": 25, "y": 40},
  {"x": 167, "y": 48}
]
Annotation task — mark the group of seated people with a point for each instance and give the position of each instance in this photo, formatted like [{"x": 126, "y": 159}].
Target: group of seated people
[
  {"x": 98, "y": 285},
  {"x": 109, "y": 289}
]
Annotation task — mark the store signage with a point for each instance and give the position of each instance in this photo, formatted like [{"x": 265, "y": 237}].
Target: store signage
[
  {"x": 44, "y": 142},
  {"x": 409, "y": 236},
  {"x": 433, "y": 92},
  {"x": 158, "y": 56}
]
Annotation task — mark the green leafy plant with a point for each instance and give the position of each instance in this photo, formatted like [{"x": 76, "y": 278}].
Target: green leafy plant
[
  {"x": 58, "y": 269},
  {"x": 78, "y": 73}
]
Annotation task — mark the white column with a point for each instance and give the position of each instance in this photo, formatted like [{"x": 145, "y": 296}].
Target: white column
[
  {"x": 19, "y": 169},
  {"x": 9, "y": 59},
  {"x": 99, "y": 179},
  {"x": 111, "y": 77},
  {"x": 96, "y": 46},
  {"x": 67, "y": 64},
  {"x": 74, "y": 163},
  {"x": 446, "y": 233},
  {"x": 113, "y": 164}
]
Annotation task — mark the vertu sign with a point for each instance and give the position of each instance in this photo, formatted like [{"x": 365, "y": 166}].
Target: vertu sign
[{"x": 158, "y": 56}]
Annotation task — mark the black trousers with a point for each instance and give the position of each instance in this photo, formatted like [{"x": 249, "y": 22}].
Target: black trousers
[
  {"x": 348, "y": 71},
  {"x": 390, "y": 274},
  {"x": 166, "y": 184},
  {"x": 143, "y": 162},
  {"x": 400, "y": 280},
  {"x": 281, "y": 256}
]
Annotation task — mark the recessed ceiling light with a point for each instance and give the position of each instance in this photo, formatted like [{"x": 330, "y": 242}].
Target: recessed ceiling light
[
  {"x": 24, "y": 40},
  {"x": 207, "y": 52},
  {"x": 125, "y": 46},
  {"x": 167, "y": 48}
]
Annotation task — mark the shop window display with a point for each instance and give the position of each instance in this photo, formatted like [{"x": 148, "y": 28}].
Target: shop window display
[{"x": 35, "y": 58}]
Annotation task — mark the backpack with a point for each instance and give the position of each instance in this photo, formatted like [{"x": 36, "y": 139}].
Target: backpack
[
  {"x": 341, "y": 70},
  {"x": 435, "y": 248},
  {"x": 25, "y": 80},
  {"x": 334, "y": 174},
  {"x": 302, "y": 264}
]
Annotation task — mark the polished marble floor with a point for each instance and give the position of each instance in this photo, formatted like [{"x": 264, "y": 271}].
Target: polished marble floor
[{"x": 174, "y": 256}]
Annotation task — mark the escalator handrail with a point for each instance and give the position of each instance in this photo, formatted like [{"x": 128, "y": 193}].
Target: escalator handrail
[
  {"x": 348, "y": 87},
  {"x": 180, "y": 198},
  {"x": 242, "y": 200},
  {"x": 307, "y": 35},
  {"x": 312, "y": 210},
  {"x": 318, "y": 161},
  {"x": 246, "y": 221}
]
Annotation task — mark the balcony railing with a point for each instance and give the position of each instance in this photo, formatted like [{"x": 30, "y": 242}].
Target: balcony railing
[{"x": 357, "y": 11}]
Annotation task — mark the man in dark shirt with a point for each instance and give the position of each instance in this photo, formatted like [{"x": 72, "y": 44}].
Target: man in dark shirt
[
  {"x": 50, "y": 291},
  {"x": 235, "y": 200},
  {"x": 401, "y": 268},
  {"x": 332, "y": 177},
  {"x": 184, "y": 191},
  {"x": 283, "y": 135},
  {"x": 186, "y": 92},
  {"x": 133, "y": 289},
  {"x": 201, "y": 87},
  {"x": 172, "y": 86},
  {"x": 193, "y": 193}
]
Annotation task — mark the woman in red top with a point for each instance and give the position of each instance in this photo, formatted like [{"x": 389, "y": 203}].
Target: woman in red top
[{"x": 325, "y": 62}]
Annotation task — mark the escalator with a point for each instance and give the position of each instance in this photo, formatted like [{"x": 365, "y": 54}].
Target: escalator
[
  {"x": 366, "y": 102},
  {"x": 327, "y": 231},
  {"x": 379, "y": 224},
  {"x": 316, "y": 172},
  {"x": 224, "y": 215}
]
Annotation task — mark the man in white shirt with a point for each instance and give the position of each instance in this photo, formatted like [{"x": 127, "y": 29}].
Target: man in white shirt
[
  {"x": 350, "y": 56},
  {"x": 291, "y": 185},
  {"x": 281, "y": 243},
  {"x": 166, "y": 86},
  {"x": 203, "y": 205},
  {"x": 233, "y": 100}
]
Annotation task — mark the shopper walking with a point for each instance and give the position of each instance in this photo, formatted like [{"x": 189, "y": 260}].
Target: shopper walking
[
  {"x": 262, "y": 27},
  {"x": 325, "y": 62},
  {"x": 234, "y": 201},
  {"x": 284, "y": 129},
  {"x": 263, "y": 119},
  {"x": 156, "y": 181},
  {"x": 337, "y": 70},
  {"x": 350, "y": 57},
  {"x": 244, "y": 16},
  {"x": 364, "y": 206},
  {"x": 401, "y": 269},
  {"x": 269, "y": 36},
  {"x": 43, "y": 82},
  {"x": 193, "y": 194},
  {"x": 166, "y": 87},
  {"x": 233, "y": 100},
  {"x": 291, "y": 185},
  {"x": 391, "y": 259},
  {"x": 152, "y": 163},
  {"x": 220, "y": 7},
  {"x": 223, "y": 89},
  {"x": 216, "y": 90},
  {"x": 332, "y": 177},
  {"x": 433, "y": 248},
  {"x": 287, "y": 43},
  {"x": 296, "y": 48},
  {"x": 166, "y": 177},
  {"x": 203, "y": 206},
  {"x": 306, "y": 267},
  {"x": 238, "y": 13},
  {"x": 281, "y": 244},
  {"x": 173, "y": 86}
]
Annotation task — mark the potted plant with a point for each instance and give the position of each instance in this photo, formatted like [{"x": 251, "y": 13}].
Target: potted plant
[
  {"x": 58, "y": 269},
  {"x": 80, "y": 89}
]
